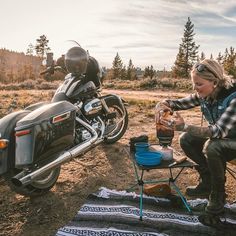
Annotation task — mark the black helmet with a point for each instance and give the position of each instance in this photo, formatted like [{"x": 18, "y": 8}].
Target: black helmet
[{"x": 76, "y": 60}]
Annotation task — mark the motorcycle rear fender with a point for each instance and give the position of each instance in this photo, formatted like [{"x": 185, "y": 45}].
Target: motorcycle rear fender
[{"x": 7, "y": 131}]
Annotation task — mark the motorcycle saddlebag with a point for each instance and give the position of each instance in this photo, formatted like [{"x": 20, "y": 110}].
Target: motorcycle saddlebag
[
  {"x": 47, "y": 130},
  {"x": 7, "y": 126}
]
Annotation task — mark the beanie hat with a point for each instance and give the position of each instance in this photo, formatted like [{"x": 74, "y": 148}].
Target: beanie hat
[{"x": 214, "y": 67}]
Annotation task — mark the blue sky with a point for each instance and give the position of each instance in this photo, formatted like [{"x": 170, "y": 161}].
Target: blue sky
[{"x": 147, "y": 31}]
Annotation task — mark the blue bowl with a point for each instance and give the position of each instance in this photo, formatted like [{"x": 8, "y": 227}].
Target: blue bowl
[
  {"x": 141, "y": 147},
  {"x": 148, "y": 158}
]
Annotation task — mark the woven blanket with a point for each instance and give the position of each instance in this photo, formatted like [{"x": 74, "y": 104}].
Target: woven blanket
[{"x": 111, "y": 212}]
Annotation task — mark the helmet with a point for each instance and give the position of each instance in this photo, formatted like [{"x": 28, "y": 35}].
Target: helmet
[{"x": 76, "y": 60}]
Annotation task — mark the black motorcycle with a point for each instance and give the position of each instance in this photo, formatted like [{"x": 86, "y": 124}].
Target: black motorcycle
[{"x": 36, "y": 141}]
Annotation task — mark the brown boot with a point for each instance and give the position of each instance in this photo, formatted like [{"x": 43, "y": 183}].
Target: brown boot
[
  {"x": 216, "y": 203},
  {"x": 203, "y": 189}
]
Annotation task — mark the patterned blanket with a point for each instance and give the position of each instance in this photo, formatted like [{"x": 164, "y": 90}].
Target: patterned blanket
[{"x": 111, "y": 212}]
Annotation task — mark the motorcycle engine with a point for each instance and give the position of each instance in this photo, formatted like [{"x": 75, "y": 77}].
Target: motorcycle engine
[{"x": 82, "y": 134}]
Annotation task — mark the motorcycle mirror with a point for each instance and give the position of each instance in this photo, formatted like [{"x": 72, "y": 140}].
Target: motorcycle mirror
[{"x": 49, "y": 59}]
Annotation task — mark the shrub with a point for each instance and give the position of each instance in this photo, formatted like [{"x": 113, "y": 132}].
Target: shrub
[{"x": 148, "y": 83}]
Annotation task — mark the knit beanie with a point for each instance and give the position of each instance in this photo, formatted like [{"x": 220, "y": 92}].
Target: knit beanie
[{"x": 214, "y": 67}]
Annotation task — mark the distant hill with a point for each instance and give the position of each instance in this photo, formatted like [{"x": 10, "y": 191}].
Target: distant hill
[{"x": 16, "y": 67}]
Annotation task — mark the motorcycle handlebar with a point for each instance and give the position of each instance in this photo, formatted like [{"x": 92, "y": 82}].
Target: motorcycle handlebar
[
  {"x": 48, "y": 70},
  {"x": 52, "y": 69}
]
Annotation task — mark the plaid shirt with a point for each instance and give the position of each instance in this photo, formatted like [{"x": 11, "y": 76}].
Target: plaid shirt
[{"x": 225, "y": 123}]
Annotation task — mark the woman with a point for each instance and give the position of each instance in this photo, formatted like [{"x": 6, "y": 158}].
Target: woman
[{"x": 211, "y": 146}]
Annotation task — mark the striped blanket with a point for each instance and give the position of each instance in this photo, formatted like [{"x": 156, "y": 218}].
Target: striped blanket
[{"x": 110, "y": 212}]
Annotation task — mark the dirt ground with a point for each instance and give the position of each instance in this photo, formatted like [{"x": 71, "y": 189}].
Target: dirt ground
[{"x": 106, "y": 165}]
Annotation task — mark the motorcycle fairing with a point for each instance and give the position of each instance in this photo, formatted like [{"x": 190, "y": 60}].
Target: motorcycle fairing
[
  {"x": 74, "y": 88},
  {"x": 7, "y": 125}
]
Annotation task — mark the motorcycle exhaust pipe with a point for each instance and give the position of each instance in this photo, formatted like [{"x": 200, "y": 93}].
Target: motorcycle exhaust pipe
[{"x": 23, "y": 179}]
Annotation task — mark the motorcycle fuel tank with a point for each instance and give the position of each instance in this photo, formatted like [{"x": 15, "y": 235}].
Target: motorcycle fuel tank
[{"x": 49, "y": 128}]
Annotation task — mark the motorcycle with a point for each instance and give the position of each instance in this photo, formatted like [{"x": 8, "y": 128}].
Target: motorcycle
[{"x": 36, "y": 141}]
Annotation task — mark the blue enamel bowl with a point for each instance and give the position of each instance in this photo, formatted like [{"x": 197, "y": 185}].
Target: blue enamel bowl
[{"x": 148, "y": 158}]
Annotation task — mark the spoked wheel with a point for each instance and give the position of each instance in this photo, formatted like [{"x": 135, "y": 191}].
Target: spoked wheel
[
  {"x": 39, "y": 187},
  {"x": 117, "y": 125}
]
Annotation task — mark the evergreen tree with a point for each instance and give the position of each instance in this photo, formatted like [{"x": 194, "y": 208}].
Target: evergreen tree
[
  {"x": 202, "y": 56},
  {"x": 211, "y": 57},
  {"x": 188, "y": 50},
  {"x": 30, "y": 50},
  {"x": 226, "y": 54},
  {"x": 220, "y": 58},
  {"x": 178, "y": 69},
  {"x": 149, "y": 72},
  {"x": 230, "y": 62},
  {"x": 123, "y": 74},
  {"x": 146, "y": 72},
  {"x": 117, "y": 67},
  {"x": 131, "y": 74},
  {"x": 42, "y": 47}
]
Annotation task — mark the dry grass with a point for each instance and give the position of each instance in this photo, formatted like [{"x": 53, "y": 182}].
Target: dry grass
[
  {"x": 150, "y": 84},
  {"x": 19, "y": 99}
]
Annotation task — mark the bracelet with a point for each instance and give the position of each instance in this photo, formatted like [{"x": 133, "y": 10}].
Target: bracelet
[{"x": 185, "y": 127}]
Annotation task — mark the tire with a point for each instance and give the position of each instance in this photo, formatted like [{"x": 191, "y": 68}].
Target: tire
[
  {"x": 36, "y": 188},
  {"x": 116, "y": 134}
]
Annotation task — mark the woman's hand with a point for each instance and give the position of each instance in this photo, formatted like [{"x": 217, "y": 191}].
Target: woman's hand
[
  {"x": 179, "y": 122},
  {"x": 163, "y": 106}
]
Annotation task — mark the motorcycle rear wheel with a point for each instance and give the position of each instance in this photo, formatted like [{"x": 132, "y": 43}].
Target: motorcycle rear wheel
[
  {"x": 39, "y": 187},
  {"x": 116, "y": 134}
]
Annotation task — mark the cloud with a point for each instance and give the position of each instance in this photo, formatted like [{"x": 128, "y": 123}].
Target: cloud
[{"x": 148, "y": 31}]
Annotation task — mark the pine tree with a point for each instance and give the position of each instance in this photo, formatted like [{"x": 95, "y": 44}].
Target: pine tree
[
  {"x": 188, "y": 51},
  {"x": 211, "y": 57},
  {"x": 30, "y": 50},
  {"x": 230, "y": 61},
  {"x": 117, "y": 67},
  {"x": 41, "y": 47},
  {"x": 131, "y": 74},
  {"x": 146, "y": 72},
  {"x": 151, "y": 72},
  {"x": 178, "y": 69},
  {"x": 202, "y": 57},
  {"x": 220, "y": 58}
]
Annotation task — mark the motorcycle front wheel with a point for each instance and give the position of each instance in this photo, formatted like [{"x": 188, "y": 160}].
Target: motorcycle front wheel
[
  {"x": 120, "y": 123},
  {"x": 39, "y": 187}
]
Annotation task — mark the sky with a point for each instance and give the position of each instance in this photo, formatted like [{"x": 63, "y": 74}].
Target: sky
[{"x": 146, "y": 31}]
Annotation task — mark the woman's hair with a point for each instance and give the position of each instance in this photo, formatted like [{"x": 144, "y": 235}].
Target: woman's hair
[{"x": 211, "y": 70}]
